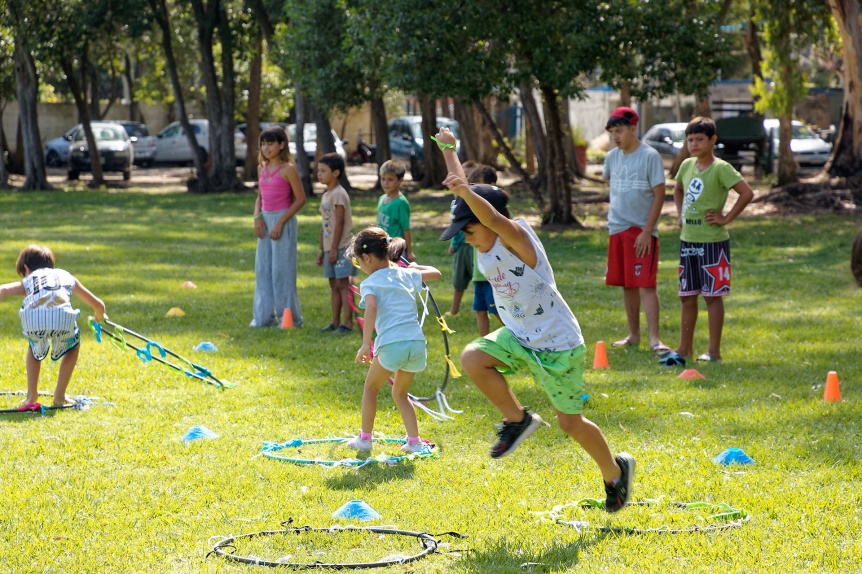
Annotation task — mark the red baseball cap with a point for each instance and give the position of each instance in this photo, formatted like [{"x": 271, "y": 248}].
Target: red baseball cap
[{"x": 625, "y": 113}]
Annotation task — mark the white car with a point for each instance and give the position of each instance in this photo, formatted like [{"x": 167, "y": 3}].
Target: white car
[
  {"x": 172, "y": 145},
  {"x": 309, "y": 137},
  {"x": 58, "y": 150},
  {"x": 809, "y": 150},
  {"x": 142, "y": 141}
]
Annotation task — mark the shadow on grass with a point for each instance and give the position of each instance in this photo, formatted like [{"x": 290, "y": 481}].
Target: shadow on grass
[
  {"x": 370, "y": 476},
  {"x": 502, "y": 557}
]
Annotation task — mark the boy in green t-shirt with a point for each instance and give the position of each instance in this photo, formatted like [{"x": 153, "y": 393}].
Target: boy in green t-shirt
[
  {"x": 393, "y": 209},
  {"x": 700, "y": 193}
]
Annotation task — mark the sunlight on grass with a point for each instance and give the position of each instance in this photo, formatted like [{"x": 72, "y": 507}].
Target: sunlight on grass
[{"x": 113, "y": 489}]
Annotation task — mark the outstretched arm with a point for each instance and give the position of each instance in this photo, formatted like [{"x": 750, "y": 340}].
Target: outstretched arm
[
  {"x": 10, "y": 289},
  {"x": 87, "y": 297}
]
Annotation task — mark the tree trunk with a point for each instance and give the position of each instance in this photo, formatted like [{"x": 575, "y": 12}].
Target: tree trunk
[
  {"x": 469, "y": 131},
  {"x": 381, "y": 128},
  {"x": 513, "y": 161},
  {"x": 626, "y": 94},
  {"x": 751, "y": 41},
  {"x": 326, "y": 142},
  {"x": 846, "y": 158},
  {"x": 129, "y": 78},
  {"x": 160, "y": 13},
  {"x": 559, "y": 185},
  {"x": 786, "y": 164},
  {"x": 252, "y": 120},
  {"x": 537, "y": 134},
  {"x": 701, "y": 104},
  {"x": 4, "y": 175},
  {"x": 302, "y": 116},
  {"x": 575, "y": 169},
  {"x": 27, "y": 91},
  {"x": 434, "y": 165},
  {"x": 79, "y": 94}
]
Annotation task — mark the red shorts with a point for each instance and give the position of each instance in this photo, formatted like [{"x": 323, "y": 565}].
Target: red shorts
[{"x": 625, "y": 269}]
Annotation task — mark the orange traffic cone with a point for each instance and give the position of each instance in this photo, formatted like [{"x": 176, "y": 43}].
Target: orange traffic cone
[
  {"x": 601, "y": 359},
  {"x": 287, "y": 319},
  {"x": 832, "y": 393},
  {"x": 690, "y": 374}
]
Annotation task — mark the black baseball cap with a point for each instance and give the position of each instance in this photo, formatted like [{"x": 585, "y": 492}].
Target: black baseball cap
[{"x": 462, "y": 214}]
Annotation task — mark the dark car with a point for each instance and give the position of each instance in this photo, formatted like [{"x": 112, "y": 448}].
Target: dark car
[
  {"x": 143, "y": 143},
  {"x": 114, "y": 147},
  {"x": 406, "y": 142}
]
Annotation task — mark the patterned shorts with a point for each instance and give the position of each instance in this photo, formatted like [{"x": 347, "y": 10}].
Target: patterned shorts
[
  {"x": 55, "y": 329},
  {"x": 704, "y": 269}
]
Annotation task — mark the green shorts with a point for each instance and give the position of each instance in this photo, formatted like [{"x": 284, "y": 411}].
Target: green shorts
[{"x": 561, "y": 373}]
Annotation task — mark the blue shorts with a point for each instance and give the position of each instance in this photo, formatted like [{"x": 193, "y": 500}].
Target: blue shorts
[
  {"x": 483, "y": 297},
  {"x": 342, "y": 269},
  {"x": 410, "y": 356}
]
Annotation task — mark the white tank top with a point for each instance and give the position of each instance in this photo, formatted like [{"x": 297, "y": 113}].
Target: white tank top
[{"x": 527, "y": 299}]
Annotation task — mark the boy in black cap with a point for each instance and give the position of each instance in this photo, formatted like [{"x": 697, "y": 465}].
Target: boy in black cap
[{"x": 540, "y": 331}]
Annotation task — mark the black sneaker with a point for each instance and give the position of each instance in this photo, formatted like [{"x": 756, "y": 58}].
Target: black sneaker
[
  {"x": 619, "y": 491},
  {"x": 510, "y": 435}
]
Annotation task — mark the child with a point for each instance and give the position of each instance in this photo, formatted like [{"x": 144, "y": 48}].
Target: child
[
  {"x": 280, "y": 197},
  {"x": 540, "y": 332},
  {"x": 635, "y": 175},
  {"x": 48, "y": 319},
  {"x": 388, "y": 296},
  {"x": 483, "y": 294},
  {"x": 700, "y": 193},
  {"x": 335, "y": 236},
  {"x": 462, "y": 269},
  {"x": 393, "y": 209}
]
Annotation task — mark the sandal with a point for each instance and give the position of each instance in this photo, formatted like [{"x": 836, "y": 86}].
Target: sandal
[
  {"x": 707, "y": 358},
  {"x": 623, "y": 343},
  {"x": 660, "y": 349},
  {"x": 35, "y": 407},
  {"x": 344, "y": 329},
  {"x": 672, "y": 359}
]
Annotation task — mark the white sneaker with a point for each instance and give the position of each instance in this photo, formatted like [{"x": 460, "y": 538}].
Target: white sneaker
[
  {"x": 357, "y": 443},
  {"x": 413, "y": 448}
]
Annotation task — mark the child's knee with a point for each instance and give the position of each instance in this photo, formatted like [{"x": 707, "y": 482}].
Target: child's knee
[{"x": 572, "y": 425}]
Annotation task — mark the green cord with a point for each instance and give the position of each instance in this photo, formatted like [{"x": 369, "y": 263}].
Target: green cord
[{"x": 443, "y": 146}]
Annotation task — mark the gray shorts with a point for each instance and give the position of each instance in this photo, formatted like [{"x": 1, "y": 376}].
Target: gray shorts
[
  {"x": 55, "y": 329},
  {"x": 343, "y": 267}
]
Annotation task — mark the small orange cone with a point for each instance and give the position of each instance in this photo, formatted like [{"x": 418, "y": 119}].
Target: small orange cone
[
  {"x": 175, "y": 312},
  {"x": 690, "y": 374},
  {"x": 287, "y": 319},
  {"x": 601, "y": 359},
  {"x": 832, "y": 393}
]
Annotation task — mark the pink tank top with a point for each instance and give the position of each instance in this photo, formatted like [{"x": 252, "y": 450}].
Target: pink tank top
[{"x": 275, "y": 192}]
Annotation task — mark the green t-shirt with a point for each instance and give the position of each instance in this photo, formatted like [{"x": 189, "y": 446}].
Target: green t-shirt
[
  {"x": 393, "y": 216},
  {"x": 704, "y": 190}
]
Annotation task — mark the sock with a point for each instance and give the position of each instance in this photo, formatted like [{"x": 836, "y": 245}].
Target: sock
[
  {"x": 365, "y": 435},
  {"x": 412, "y": 440}
]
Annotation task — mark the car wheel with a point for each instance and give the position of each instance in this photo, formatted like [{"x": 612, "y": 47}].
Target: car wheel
[
  {"x": 53, "y": 159},
  {"x": 127, "y": 174},
  {"x": 74, "y": 173},
  {"x": 416, "y": 169}
]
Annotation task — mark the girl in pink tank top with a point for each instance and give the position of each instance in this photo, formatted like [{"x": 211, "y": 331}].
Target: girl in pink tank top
[{"x": 280, "y": 196}]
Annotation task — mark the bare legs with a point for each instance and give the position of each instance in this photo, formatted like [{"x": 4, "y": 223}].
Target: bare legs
[
  {"x": 632, "y": 297},
  {"x": 457, "y": 294},
  {"x": 715, "y": 313},
  {"x": 374, "y": 381},
  {"x": 339, "y": 293},
  {"x": 34, "y": 368}
]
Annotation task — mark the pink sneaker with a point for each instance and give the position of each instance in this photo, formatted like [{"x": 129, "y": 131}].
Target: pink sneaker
[{"x": 357, "y": 443}]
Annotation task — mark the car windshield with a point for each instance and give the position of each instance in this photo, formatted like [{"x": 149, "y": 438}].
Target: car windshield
[
  {"x": 136, "y": 130},
  {"x": 678, "y": 136},
  {"x": 416, "y": 129},
  {"x": 309, "y": 132},
  {"x": 803, "y": 132},
  {"x": 103, "y": 133}
]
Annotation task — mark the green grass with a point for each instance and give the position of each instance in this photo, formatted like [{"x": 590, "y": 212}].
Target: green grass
[{"x": 113, "y": 489}]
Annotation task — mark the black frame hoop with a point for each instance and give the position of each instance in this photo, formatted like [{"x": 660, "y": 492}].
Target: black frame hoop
[
  {"x": 75, "y": 404},
  {"x": 735, "y": 517},
  {"x": 449, "y": 367},
  {"x": 428, "y": 542}
]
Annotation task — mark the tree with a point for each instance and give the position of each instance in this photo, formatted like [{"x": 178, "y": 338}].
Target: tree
[
  {"x": 847, "y": 152},
  {"x": 7, "y": 89}
]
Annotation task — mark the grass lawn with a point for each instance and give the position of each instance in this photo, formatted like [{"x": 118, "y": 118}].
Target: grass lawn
[{"x": 113, "y": 488}]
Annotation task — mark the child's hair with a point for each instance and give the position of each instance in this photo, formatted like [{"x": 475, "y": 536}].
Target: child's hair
[
  {"x": 334, "y": 161},
  {"x": 371, "y": 241},
  {"x": 482, "y": 173},
  {"x": 856, "y": 258},
  {"x": 275, "y": 134},
  {"x": 34, "y": 257},
  {"x": 393, "y": 167},
  {"x": 397, "y": 246},
  {"x": 701, "y": 125}
]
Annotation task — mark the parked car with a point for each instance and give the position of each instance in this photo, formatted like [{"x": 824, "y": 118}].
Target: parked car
[
  {"x": 309, "y": 141},
  {"x": 142, "y": 141},
  {"x": 57, "y": 150},
  {"x": 808, "y": 149},
  {"x": 172, "y": 145},
  {"x": 666, "y": 139},
  {"x": 114, "y": 147},
  {"x": 406, "y": 142}
]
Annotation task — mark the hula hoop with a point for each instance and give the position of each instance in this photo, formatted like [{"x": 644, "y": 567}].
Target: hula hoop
[
  {"x": 429, "y": 544},
  {"x": 449, "y": 367},
  {"x": 732, "y": 517},
  {"x": 116, "y": 336},
  {"x": 77, "y": 403},
  {"x": 268, "y": 449}
]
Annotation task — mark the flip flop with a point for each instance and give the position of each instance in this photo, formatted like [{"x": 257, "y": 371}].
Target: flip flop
[
  {"x": 672, "y": 359},
  {"x": 660, "y": 349},
  {"x": 707, "y": 358},
  {"x": 622, "y": 343},
  {"x": 35, "y": 407}
]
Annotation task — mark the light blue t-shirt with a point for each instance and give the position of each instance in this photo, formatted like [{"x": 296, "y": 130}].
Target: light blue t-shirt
[
  {"x": 395, "y": 289},
  {"x": 632, "y": 175}
]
